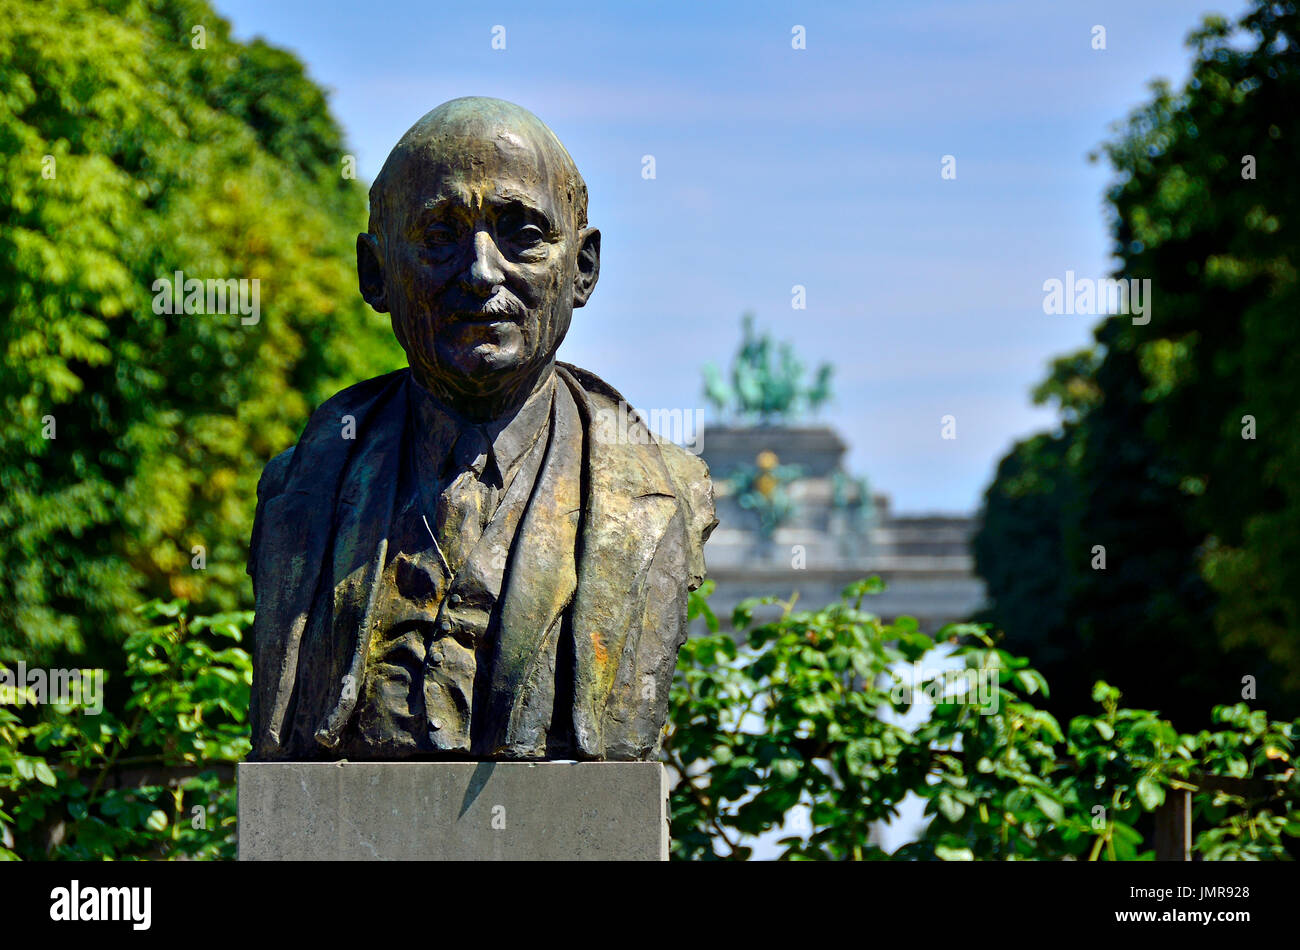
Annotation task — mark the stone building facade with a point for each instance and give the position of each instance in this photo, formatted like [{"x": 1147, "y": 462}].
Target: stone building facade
[{"x": 791, "y": 519}]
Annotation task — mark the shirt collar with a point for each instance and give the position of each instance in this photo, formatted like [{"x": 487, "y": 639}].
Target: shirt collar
[{"x": 439, "y": 427}]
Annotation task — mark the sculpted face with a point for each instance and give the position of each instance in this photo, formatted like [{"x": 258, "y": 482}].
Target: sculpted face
[{"x": 479, "y": 250}]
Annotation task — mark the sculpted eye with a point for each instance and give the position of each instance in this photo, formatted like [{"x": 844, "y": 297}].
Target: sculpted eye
[
  {"x": 522, "y": 230},
  {"x": 441, "y": 235},
  {"x": 529, "y": 235}
]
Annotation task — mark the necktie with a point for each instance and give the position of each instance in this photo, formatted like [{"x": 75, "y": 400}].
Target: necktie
[{"x": 467, "y": 503}]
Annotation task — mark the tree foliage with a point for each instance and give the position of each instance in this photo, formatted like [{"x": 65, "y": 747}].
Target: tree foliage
[
  {"x": 146, "y": 784},
  {"x": 132, "y": 147},
  {"x": 1177, "y": 450},
  {"x": 800, "y": 725}
]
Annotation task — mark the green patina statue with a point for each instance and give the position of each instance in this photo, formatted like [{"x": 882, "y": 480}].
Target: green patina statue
[
  {"x": 457, "y": 559},
  {"x": 761, "y": 391}
]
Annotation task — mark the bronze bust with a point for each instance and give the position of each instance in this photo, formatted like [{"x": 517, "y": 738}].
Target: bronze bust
[{"x": 457, "y": 559}]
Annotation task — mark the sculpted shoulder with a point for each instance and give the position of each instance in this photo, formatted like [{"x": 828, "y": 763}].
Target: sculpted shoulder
[
  {"x": 688, "y": 473},
  {"x": 275, "y": 475},
  {"x": 319, "y": 448},
  {"x": 327, "y": 418},
  {"x": 355, "y": 398}
]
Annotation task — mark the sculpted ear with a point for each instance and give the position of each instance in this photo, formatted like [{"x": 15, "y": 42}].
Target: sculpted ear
[
  {"x": 370, "y": 272},
  {"x": 588, "y": 266}
]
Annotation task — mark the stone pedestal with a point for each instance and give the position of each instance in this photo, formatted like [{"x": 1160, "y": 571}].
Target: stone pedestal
[{"x": 453, "y": 811}]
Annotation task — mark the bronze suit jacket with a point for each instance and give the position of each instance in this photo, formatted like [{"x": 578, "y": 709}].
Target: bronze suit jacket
[{"x": 633, "y": 512}]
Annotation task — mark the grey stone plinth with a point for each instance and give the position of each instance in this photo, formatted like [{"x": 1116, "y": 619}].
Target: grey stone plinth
[{"x": 452, "y": 811}]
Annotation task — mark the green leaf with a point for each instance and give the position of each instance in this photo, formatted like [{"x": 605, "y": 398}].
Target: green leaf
[
  {"x": 1150, "y": 793},
  {"x": 787, "y": 769},
  {"x": 947, "y": 853},
  {"x": 949, "y": 807},
  {"x": 863, "y": 588},
  {"x": 45, "y": 774},
  {"x": 1050, "y": 807}
]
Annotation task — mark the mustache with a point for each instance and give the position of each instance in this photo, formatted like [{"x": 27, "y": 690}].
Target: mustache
[{"x": 502, "y": 303}]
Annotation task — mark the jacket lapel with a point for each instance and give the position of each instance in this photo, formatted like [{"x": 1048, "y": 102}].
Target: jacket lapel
[
  {"x": 629, "y": 506},
  {"x": 540, "y": 585}
]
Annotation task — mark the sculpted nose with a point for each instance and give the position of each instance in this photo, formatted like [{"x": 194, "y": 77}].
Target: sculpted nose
[{"x": 485, "y": 273}]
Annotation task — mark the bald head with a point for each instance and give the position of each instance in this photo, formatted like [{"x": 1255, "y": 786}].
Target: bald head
[
  {"x": 475, "y": 130},
  {"x": 478, "y": 248}
]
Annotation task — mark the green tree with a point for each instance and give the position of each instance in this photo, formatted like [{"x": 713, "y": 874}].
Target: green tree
[
  {"x": 1208, "y": 208},
  {"x": 1020, "y": 538},
  {"x": 1177, "y": 452},
  {"x": 134, "y": 144}
]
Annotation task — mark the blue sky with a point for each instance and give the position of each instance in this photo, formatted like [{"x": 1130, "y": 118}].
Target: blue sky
[{"x": 819, "y": 167}]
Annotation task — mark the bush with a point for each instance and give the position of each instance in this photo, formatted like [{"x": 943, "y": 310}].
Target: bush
[
  {"x": 804, "y": 714},
  {"x": 155, "y": 784}
]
